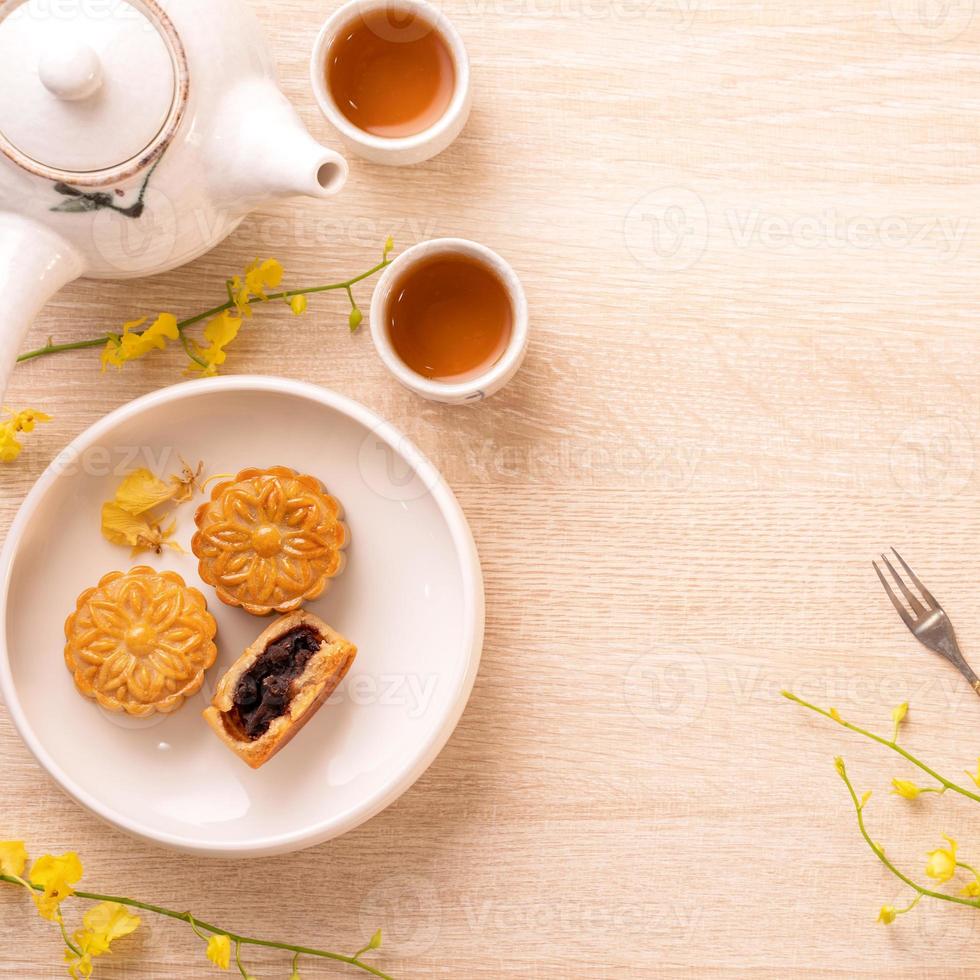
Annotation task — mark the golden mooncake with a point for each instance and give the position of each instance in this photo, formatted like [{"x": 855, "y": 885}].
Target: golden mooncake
[
  {"x": 140, "y": 642},
  {"x": 269, "y": 540}
]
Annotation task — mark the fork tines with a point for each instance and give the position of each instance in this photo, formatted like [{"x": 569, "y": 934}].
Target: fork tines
[{"x": 910, "y": 597}]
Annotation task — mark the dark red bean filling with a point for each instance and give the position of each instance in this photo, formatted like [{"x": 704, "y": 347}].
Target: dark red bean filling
[{"x": 265, "y": 690}]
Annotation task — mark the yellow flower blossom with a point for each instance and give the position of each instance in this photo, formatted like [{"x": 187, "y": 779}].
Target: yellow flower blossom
[
  {"x": 80, "y": 965},
  {"x": 905, "y": 788},
  {"x": 134, "y": 343},
  {"x": 135, "y": 531},
  {"x": 141, "y": 491},
  {"x": 10, "y": 428},
  {"x": 835, "y": 714},
  {"x": 187, "y": 482},
  {"x": 104, "y": 924},
  {"x": 259, "y": 277},
  {"x": 942, "y": 862},
  {"x": 971, "y": 890},
  {"x": 898, "y": 716},
  {"x": 219, "y": 951},
  {"x": 298, "y": 304},
  {"x": 887, "y": 914},
  {"x": 238, "y": 293},
  {"x": 13, "y": 858},
  {"x": 55, "y": 875},
  {"x": 219, "y": 333}
]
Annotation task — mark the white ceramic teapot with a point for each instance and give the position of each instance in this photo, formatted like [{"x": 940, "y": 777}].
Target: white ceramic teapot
[{"x": 134, "y": 136}]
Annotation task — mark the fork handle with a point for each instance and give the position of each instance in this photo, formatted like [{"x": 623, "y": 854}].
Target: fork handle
[
  {"x": 951, "y": 651},
  {"x": 959, "y": 662}
]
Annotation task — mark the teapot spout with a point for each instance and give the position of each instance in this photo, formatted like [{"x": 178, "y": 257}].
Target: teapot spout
[
  {"x": 35, "y": 263},
  {"x": 270, "y": 154}
]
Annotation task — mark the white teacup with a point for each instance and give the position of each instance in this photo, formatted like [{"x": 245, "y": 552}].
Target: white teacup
[
  {"x": 497, "y": 374},
  {"x": 400, "y": 150}
]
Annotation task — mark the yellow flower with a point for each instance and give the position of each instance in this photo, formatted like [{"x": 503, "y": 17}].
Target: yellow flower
[
  {"x": 898, "y": 716},
  {"x": 104, "y": 924},
  {"x": 187, "y": 482},
  {"x": 835, "y": 714},
  {"x": 887, "y": 915},
  {"x": 25, "y": 421},
  {"x": 80, "y": 965},
  {"x": 13, "y": 858},
  {"x": 55, "y": 875},
  {"x": 133, "y": 343},
  {"x": 135, "y": 531},
  {"x": 259, "y": 276},
  {"x": 971, "y": 890},
  {"x": 298, "y": 305},
  {"x": 141, "y": 491},
  {"x": 942, "y": 862},
  {"x": 219, "y": 951},
  {"x": 219, "y": 333},
  {"x": 905, "y": 788}
]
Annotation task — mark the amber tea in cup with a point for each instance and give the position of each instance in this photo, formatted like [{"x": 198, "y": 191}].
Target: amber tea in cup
[
  {"x": 450, "y": 318},
  {"x": 390, "y": 72}
]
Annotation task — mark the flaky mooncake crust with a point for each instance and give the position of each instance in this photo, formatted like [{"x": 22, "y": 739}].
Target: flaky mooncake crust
[{"x": 323, "y": 673}]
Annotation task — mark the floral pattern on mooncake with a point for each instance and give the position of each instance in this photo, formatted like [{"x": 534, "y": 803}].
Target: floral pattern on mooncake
[
  {"x": 140, "y": 642},
  {"x": 270, "y": 540}
]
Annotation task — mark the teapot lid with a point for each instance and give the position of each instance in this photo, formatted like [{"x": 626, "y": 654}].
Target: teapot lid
[{"x": 92, "y": 92}]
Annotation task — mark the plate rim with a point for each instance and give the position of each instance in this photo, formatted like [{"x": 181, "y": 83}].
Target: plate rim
[{"x": 474, "y": 613}]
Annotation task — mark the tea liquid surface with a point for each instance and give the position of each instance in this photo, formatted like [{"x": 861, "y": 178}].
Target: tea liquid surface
[
  {"x": 450, "y": 318},
  {"x": 391, "y": 73}
]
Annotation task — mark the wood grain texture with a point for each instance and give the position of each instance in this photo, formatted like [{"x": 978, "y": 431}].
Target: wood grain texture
[{"x": 749, "y": 238}]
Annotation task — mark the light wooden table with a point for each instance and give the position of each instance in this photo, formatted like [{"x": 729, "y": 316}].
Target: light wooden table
[{"x": 748, "y": 233}]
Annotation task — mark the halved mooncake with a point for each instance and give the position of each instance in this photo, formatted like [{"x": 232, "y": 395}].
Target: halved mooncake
[
  {"x": 140, "y": 641},
  {"x": 277, "y": 685},
  {"x": 270, "y": 540}
]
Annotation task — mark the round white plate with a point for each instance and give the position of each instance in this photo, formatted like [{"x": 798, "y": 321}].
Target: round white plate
[{"x": 411, "y": 598}]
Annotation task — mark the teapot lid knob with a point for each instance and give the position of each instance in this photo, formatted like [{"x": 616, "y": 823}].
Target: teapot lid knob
[{"x": 71, "y": 70}]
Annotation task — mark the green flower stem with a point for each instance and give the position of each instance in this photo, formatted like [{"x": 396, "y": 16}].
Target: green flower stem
[
  {"x": 61, "y": 348},
  {"x": 182, "y": 325},
  {"x": 968, "y": 867},
  {"x": 923, "y": 892},
  {"x": 68, "y": 942},
  {"x": 238, "y": 960},
  {"x": 894, "y": 746},
  {"x": 197, "y": 924},
  {"x": 189, "y": 351}
]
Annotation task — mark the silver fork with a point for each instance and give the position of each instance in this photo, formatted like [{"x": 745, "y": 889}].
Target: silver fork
[{"x": 928, "y": 623}]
